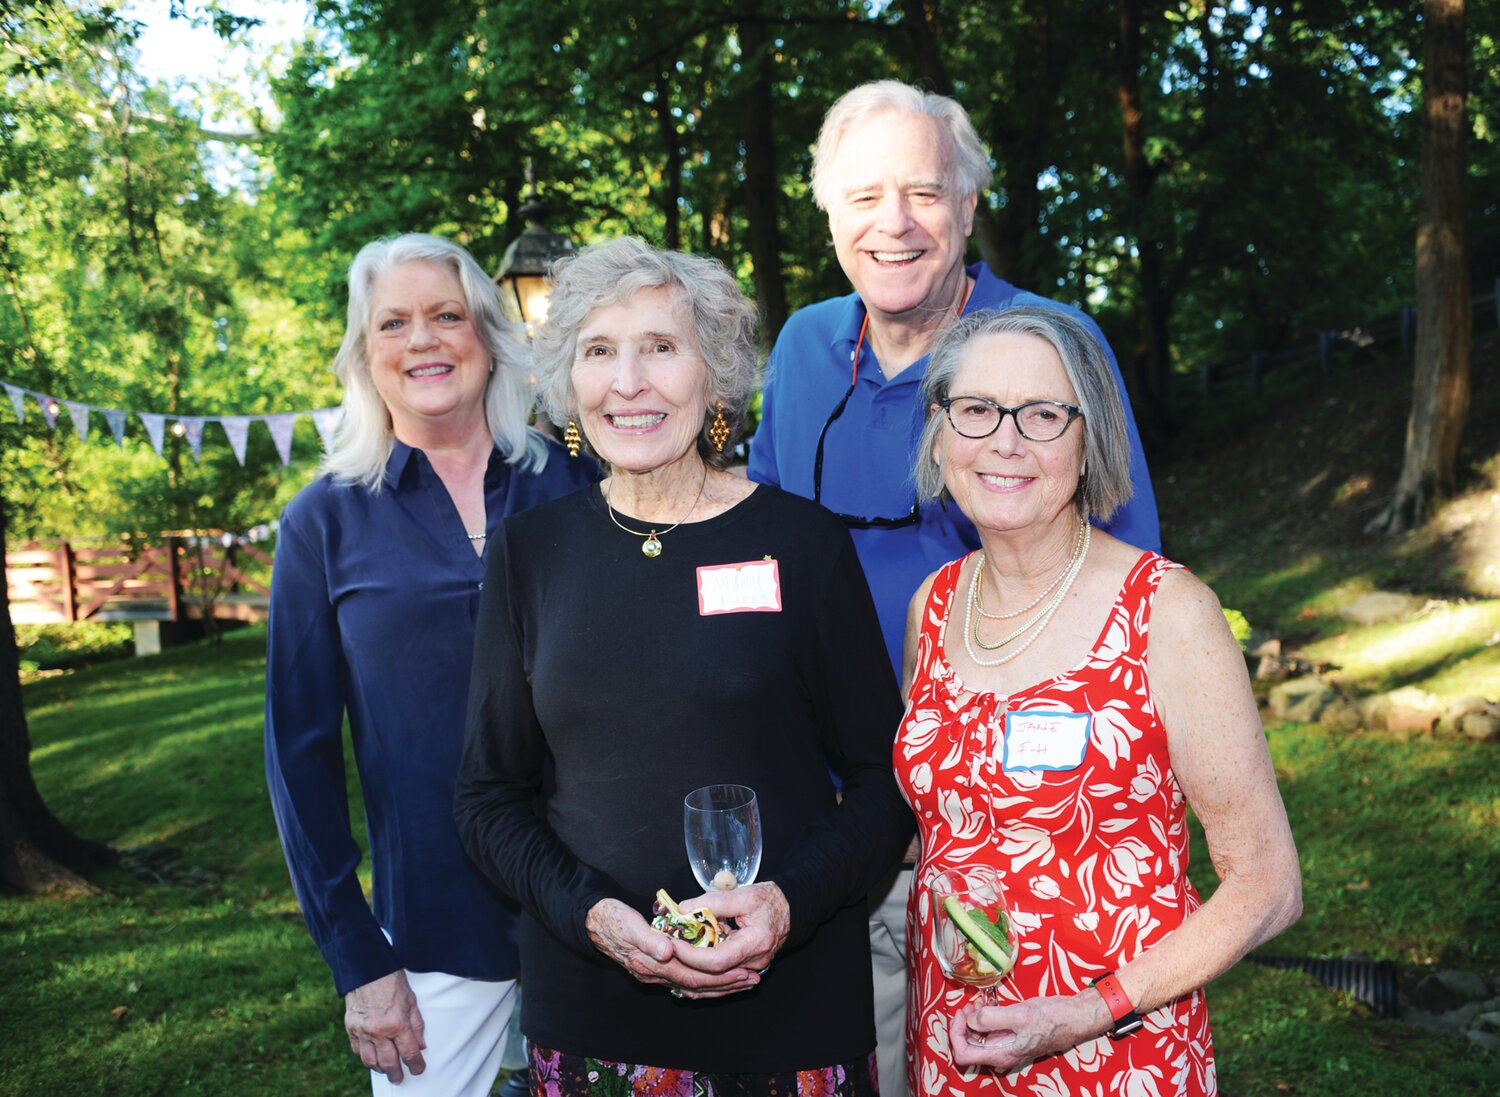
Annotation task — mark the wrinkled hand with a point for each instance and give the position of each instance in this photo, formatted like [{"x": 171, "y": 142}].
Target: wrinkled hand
[
  {"x": 620, "y": 932},
  {"x": 385, "y": 1026},
  {"x": 763, "y": 918},
  {"x": 1014, "y": 1035}
]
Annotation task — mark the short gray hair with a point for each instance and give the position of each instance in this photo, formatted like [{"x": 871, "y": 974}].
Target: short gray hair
[
  {"x": 601, "y": 275},
  {"x": 966, "y": 156},
  {"x": 363, "y": 438},
  {"x": 1106, "y": 442}
]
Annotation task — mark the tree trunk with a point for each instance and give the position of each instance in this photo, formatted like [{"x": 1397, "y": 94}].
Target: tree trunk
[
  {"x": 671, "y": 162},
  {"x": 1150, "y": 372},
  {"x": 921, "y": 34},
  {"x": 37, "y": 853},
  {"x": 1441, "y": 382},
  {"x": 761, "y": 186}
]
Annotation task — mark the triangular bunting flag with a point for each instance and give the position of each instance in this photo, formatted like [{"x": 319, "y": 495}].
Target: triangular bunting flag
[
  {"x": 17, "y": 400},
  {"x": 79, "y": 413},
  {"x": 155, "y": 428},
  {"x": 326, "y": 419},
  {"x": 116, "y": 420},
  {"x": 49, "y": 409},
  {"x": 192, "y": 426},
  {"x": 236, "y": 429},
  {"x": 280, "y": 427}
]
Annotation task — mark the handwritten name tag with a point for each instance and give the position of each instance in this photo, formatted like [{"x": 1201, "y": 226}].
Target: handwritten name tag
[
  {"x": 751, "y": 587},
  {"x": 1045, "y": 740}
]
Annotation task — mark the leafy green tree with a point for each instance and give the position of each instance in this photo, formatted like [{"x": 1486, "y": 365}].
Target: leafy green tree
[
  {"x": 37, "y": 851},
  {"x": 135, "y": 282}
]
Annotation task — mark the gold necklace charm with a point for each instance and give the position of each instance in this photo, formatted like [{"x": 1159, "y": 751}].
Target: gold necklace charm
[{"x": 651, "y": 547}]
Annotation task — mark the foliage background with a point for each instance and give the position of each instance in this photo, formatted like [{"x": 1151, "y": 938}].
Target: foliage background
[{"x": 152, "y": 265}]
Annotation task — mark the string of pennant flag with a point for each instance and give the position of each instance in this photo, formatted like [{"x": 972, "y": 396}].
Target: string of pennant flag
[{"x": 236, "y": 427}]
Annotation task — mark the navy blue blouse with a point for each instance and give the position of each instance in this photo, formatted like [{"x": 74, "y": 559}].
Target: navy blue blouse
[{"x": 374, "y": 599}]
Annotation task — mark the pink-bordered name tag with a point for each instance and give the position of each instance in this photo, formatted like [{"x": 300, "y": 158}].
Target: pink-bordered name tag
[{"x": 751, "y": 587}]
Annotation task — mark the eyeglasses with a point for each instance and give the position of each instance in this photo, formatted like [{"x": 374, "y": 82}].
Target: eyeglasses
[
  {"x": 1036, "y": 420},
  {"x": 850, "y": 520}
]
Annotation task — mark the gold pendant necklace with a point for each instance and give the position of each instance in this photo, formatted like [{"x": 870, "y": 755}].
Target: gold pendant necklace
[{"x": 651, "y": 547}]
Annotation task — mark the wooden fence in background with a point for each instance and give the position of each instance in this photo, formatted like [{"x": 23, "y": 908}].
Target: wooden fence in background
[
  {"x": 1400, "y": 328},
  {"x": 183, "y": 577}
]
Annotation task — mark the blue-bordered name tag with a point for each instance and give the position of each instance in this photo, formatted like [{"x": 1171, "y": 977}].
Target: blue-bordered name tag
[{"x": 1045, "y": 740}]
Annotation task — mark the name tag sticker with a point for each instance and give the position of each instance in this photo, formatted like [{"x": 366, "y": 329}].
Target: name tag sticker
[
  {"x": 1045, "y": 740},
  {"x": 751, "y": 587}
]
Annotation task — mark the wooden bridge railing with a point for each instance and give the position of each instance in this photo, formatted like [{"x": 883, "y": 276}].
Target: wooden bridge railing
[{"x": 184, "y": 576}]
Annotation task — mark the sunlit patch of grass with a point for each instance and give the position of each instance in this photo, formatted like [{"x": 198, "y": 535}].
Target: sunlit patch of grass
[
  {"x": 1422, "y": 649},
  {"x": 1300, "y": 598},
  {"x": 1477, "y": 675}
]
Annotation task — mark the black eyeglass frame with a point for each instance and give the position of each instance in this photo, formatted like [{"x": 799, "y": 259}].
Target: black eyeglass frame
[
  {"x": 851, "y": 520},
  {"x": 1073, "y": 410}
]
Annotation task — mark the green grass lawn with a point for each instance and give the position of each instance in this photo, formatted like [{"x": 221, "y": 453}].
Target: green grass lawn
[{"x": 192, "y": 973}]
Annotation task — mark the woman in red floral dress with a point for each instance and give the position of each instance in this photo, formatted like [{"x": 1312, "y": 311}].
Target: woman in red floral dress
[{"x": 1045, "y": 736}]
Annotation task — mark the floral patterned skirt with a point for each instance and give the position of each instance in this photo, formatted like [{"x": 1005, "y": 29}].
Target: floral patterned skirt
[{"x": 556, "y": 1074}]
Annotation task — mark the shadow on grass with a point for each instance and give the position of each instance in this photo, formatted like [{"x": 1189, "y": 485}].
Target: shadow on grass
[
  {"x": 165, "y": 994},
  {"x": 1292, "y": 1035},
  {"x": 1396, "y": 839},
  {"x": 203, "y": 956}
]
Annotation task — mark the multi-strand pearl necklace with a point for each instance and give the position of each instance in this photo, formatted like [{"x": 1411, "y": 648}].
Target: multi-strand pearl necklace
[
  {"x": 1034, "y": 626},
  {"x": 1029, "y": 606}
]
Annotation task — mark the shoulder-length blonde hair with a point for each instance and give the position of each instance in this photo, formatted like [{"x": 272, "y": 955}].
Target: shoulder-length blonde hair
[{"x": 362, "y": 440}]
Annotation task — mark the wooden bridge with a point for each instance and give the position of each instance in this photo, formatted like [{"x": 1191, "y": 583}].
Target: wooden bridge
[{"x": 183, "y": 577}]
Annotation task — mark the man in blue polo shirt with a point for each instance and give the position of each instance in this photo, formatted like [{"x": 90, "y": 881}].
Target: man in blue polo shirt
[{"x": 899, "y": 172}]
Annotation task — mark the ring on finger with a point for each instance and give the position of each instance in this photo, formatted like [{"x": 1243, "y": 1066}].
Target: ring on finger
[
  {"x": 979, "y": 1039},
  {"x": 676, "y": 992}
]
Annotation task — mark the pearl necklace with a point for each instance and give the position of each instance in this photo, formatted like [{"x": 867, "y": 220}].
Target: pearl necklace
[
  {"x": 1031, "y": 605},
  {"x": 651, "y": 547},
  {"x": 1033, "y": 626}
]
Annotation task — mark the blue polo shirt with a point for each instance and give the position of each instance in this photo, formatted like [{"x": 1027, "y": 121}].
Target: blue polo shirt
[
  {"x": 869, "y": 451},
  {"x": 374, "y": 599}
]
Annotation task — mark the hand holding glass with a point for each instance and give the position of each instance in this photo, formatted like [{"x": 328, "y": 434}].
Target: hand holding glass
[{"x": 721, "y": 829}]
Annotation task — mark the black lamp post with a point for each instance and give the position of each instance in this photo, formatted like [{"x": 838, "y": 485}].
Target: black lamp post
[{"x": 523, "y": 271}]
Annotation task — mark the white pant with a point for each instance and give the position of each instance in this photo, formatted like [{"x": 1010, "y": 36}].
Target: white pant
[
  {"x": 464, "y": 1023},
  {"x": 888, "y": 960}
]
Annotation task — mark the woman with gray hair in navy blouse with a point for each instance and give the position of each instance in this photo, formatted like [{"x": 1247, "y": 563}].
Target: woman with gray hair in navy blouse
[{"x": 373, "y": 605}]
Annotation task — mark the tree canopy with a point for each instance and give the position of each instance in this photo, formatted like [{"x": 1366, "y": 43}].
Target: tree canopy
[{"x": 1209, "y": 180}]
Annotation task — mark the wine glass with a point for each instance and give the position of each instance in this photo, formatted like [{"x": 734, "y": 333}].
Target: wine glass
[
  {"x": 971, "y": 924},
  {"x": 721, "y": 828}
]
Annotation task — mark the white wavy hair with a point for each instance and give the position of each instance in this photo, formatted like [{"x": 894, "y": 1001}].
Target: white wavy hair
[
  {"x": 966, "y": 156},
  {"x": 612, "y": 274},
  {"x": 363, "y": 439}
]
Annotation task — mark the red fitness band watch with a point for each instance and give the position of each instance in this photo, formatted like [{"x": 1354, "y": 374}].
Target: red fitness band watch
[{"x": 1127, "y": 1020}]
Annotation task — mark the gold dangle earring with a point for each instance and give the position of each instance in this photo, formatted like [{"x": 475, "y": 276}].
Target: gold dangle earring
[
  {"x": 718, "y": 430},
  {"x": 572, "y": 439}
]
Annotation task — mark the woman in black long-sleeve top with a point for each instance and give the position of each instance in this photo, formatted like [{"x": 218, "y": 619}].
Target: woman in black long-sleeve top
[{"x": 610, "y": 681}]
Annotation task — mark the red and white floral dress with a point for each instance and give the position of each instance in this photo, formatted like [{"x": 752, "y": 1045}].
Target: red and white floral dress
[{"x": 1094, "y": 853}]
